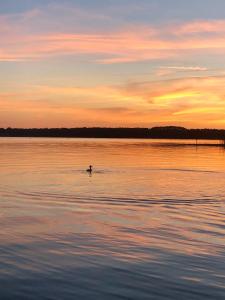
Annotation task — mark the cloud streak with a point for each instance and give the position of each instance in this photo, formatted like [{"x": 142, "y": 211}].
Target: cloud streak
[
  {"x": 187, "y": 101},
  {"x": 184, "y": 68},
  {"x": 20, "y": 41}
]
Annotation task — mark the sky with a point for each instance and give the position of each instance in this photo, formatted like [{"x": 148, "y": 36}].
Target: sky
[{"x": 126, "y": 63}]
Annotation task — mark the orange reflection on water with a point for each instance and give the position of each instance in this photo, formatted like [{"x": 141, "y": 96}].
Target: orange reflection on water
[{"x": 143, "y": 195}]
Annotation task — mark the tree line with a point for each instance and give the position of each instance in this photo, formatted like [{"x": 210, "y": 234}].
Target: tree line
[{"x": 166, "y": 132}]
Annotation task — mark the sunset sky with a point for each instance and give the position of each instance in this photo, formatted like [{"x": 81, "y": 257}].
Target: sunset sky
[{"x": 112, "y": 63}]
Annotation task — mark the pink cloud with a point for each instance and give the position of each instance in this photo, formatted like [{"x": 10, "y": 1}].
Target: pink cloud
[
  {"x": 201, "y": 26},
  {"x": 130, "y": 44}
]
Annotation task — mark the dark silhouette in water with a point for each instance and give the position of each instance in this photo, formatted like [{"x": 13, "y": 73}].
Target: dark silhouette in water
[{"x": 89, "y": 170}]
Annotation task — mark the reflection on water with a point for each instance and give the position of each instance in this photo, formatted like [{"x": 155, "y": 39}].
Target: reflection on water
[{"x": 148, "y": 224}]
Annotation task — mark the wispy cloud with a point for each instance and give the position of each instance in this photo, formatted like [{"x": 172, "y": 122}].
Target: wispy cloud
[
  {"x": 201, "y": 26},
  {"x": 34, "y": 35},
  {"x": 187, "y": 101},
  {"x": 171, "y": 70},
  {"x": 184, "y": 68}
]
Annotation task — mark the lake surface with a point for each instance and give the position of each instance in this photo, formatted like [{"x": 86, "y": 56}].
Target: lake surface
[{"x": 148, "y": 224}]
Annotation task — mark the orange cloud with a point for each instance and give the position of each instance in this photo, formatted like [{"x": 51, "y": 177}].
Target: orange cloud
[
  {"x": 189, "y": 102},
  {"x": 191, "y": 93}
]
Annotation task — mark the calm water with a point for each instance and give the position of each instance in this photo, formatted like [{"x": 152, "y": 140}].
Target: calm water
[{"x": 148, "y": 224}]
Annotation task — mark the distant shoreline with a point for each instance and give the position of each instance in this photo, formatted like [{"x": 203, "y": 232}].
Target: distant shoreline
[{"x": 167, "y": 132}]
